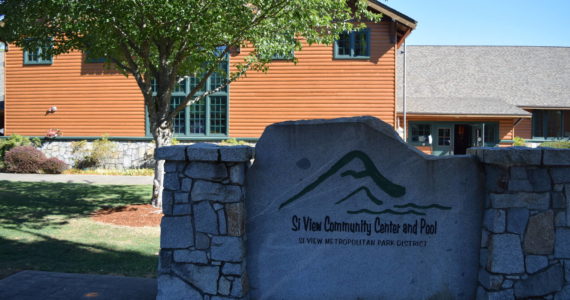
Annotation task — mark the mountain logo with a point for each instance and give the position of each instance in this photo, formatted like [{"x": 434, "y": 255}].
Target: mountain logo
[{"x": 370, "y": 171}]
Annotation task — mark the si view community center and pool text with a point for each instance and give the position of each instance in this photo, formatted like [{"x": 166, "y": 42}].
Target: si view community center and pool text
[{"x": 455, "y": 97}]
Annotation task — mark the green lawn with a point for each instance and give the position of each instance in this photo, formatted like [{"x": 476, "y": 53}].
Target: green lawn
[{"x": 46, "y": 226}]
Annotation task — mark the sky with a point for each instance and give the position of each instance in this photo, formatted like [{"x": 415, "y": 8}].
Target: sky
[{"x": 487, "y": 22}]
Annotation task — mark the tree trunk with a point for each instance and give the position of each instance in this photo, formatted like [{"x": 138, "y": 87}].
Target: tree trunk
[{"x": 162, "y": 137}]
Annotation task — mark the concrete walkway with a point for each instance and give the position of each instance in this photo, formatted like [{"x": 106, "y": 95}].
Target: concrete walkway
[
  {"x": 33, "y": 285},
  {"x": 89, "y": 179}
]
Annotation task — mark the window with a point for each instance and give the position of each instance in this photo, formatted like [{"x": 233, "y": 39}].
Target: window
[
  {"x": 90, "y": 59},
  {"x": 209, "y": 116},
  {"x": 444, "y": 137},
  {"x": 420, "y": 133},
  {"x": 551, "y": 123},
  {"x": 354, "y": 44},
  {"x": 37, "y": 56}
]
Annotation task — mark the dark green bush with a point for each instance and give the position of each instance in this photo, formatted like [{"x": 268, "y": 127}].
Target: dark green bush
[
  {"x": 24, "y": 159},
  {"x": 53, "y": 166}
]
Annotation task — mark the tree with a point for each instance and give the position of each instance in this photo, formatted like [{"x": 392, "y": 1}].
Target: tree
[{"x": 160, "y": 42}]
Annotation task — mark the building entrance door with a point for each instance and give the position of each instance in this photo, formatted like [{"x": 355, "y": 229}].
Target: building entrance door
[{"x": 462, "y": 139}]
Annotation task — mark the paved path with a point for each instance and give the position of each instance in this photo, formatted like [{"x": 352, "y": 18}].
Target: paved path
[
  {"x": 33, "y": 285},
  {"x": 90, "y": 179}
]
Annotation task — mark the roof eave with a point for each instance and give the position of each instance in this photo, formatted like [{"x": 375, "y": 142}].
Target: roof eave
[
  {"x": 415, "y": 114},
  {"x": 393, "y": 14}
]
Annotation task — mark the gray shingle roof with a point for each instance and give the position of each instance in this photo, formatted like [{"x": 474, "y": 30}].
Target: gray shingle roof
[
  {"x": 461, "y": 106},
  {"x": 485, "y": 78}
]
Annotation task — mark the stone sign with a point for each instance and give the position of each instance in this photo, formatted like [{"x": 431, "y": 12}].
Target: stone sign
[{"x": 344, "y": 209}]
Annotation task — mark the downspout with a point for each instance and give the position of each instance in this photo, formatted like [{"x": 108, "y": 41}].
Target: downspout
[{"x": 404, "y": 106}]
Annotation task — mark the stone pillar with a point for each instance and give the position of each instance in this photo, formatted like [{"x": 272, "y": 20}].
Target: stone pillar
[
  {"x": 525, "y": 245},
  {"x": 202, "y": 242}
]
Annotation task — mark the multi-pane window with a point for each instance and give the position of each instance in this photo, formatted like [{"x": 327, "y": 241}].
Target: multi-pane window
[
  {"x": 37, "y": 56},
  {"x": 551, "y": 123},
  {"x": 354, "y": 44},
  {"x": 207, "y": 117},
  {"x": 444, "y": 137},
  {"x": 420, "y": 133}
]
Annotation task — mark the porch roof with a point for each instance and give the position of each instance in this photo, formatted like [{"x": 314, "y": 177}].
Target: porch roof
[{"x": 461, "y": 106}]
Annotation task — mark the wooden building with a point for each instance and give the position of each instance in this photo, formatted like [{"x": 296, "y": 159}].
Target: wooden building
[
  {"x": 463, "y": 96},
  {"x": 83, "y": 99}
]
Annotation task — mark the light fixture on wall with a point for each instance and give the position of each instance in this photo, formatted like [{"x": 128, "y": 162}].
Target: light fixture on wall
[{"x": 52, "y": 109}]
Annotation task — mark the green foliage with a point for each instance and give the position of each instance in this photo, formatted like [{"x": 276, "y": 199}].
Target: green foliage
[
  {"x": 174, "y": 141},
  {"x": 24, "y": 159},
  {"x": 166, "y": 40},
  {"x": 519, "y": 141},
  {"x": 233, "y": 142},
  {"x": 94, "y": 156},
  {"x": 16, "y": 140},
  {"x": 557, "y": 144}
]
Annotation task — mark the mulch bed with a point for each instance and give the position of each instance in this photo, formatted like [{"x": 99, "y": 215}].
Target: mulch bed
[{"x": 132, "y": 215}]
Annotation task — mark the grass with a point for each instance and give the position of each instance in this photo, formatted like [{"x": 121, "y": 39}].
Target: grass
[
  {"x": 557, "y": 144},
  {"x": 126, "y": 172},
  {"x": 46, "y": 226}
]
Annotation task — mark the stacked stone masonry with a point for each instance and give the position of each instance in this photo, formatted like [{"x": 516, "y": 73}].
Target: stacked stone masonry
[
  {"x": 202, "y": 242},
  {"x": 525, "y": 243}
]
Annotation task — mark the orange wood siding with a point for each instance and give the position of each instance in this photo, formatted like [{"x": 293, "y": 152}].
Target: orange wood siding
[
  {"x": 317, "y": 87},
  {"x": 425, "y": 149},
  {"x": 524, "y": 129},
  {"x": 90, "y": 100}
]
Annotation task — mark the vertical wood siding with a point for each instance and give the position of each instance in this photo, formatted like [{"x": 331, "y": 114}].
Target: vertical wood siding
[
  {"x": 317, "y": 87},
  {"x": 90, "y": 100}
]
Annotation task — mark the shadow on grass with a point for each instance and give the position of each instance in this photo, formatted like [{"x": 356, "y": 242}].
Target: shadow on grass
[
  {"x": 50, "y": 254},
  {"x": 40, "y": 204}
]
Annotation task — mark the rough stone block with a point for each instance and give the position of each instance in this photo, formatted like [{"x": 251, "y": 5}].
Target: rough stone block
[
  {"x": 541, "y": 284},
  {"x": 517, "y": 218},
  {"x": 167, "y": 202},
  {"x": 172, "y": 287},
  {"x": 566, "y": 265},
  {"x": 233, "y": 269},
  {"x": 202, "y": 152},
  {"x": 236, "y": 219},
  {"x": 205, "y": 218},
  {"x": 535, "y": 263},
  {"x": 227, "y": 248},
  {"x": 562, "y": 244},
  {"x": 176, "y": 232},
  {"x": 560, "y": 219},
  {"x": 171, "y": 181},
  {"x": 190, "y": 256},
  {"x": 501, "y": 295},
  {"x": 239, "y": 153},
  {"x": 558, "y": 200},
  {"x": 483, "y": 257},
  {"x": 520, "y": 185},
  {"x": 164, "y": 261},
  {"x": 239, "y": 287},
  {"x": 202, "y": 241},
  {"x": 222, "y": 222},
  {"x": 181, "y": 197},
  {"x": 496, "y": 178},
  {"x": 538, "y": 201},
  {"x": 507, "y": 284},
  {"x": 560, "y": 175},
  {"x": 512, "y": 156},
  {"x": 186, "y": 184},
  {"x": 205, "y": 190},
  {"x": 205, "y": 278},
  {"x": 177, "y": 153},
  {"x": 206, "y": 170},
  {"x": 490, "y": 281},
  {"x": 484, "y": 238},
  {"x": 519, "y": 173},
  {"x": 556, "y": 157},
  {"x": 237, "y": 174},
  {"x": 184, "y": 209},
  {"x": 171, "y": 166},
  {"x": 505, "y": 254},
  {"x": 539, "y": 179},
  {"x": 224, "y": 286},
  {"x": 539, "y": 237},
  {"x": 564, "y": 294},
  {"x": 494, "y": 220}
]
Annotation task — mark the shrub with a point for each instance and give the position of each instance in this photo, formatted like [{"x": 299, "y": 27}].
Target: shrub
[
  {"x": 100, "y": 151},
  {"x": 557, "y": 144},
  {"x": 53, "y": 166},
  {"x": 519, "y": 141},
  {"x": 24, "y": 159},
  {"x": 233, "y": 142},
  {"x": 17, "y": 140}
]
